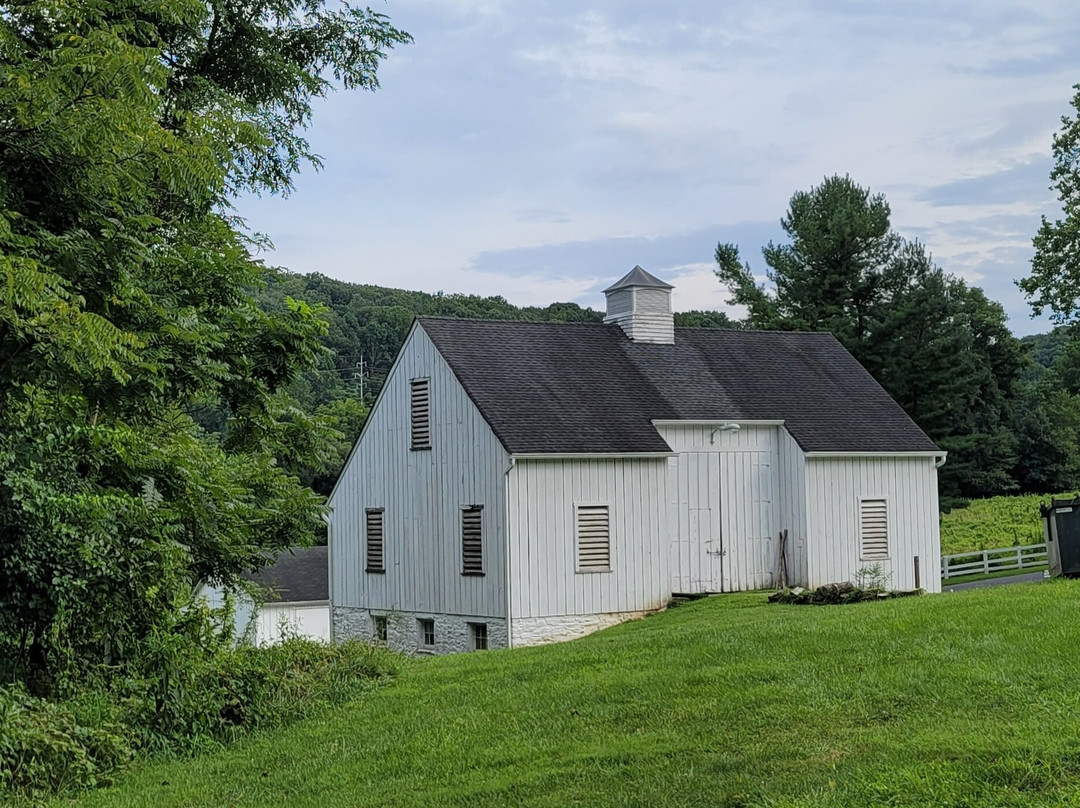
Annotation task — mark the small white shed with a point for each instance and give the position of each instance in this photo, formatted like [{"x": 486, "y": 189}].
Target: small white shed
[
  {"x": 296, "y": 599},
  {"x": 519, "y": 483}
]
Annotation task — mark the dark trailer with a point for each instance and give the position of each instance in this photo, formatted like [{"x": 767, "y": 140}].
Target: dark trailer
[{"x": 1061, "y": 527}]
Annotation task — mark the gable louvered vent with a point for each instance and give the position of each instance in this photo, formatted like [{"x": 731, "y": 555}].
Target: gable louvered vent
[
  {"x": 594, "y": 538},
  {"x": 420, "y": 413},
  {"x": 472, "y": 546},
  {"x": 373, "y": 537},
  {"x": 875, "y": 529}
]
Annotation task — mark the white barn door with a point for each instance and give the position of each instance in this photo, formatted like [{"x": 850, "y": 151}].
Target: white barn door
[
  {"x": 747, "y": 500},
  {"x": 698, "y": 560}
]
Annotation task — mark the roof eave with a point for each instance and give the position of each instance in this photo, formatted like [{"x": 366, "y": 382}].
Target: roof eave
[
  {"x": 921, "y": 453},
  {"x": 592, "y": 455}
]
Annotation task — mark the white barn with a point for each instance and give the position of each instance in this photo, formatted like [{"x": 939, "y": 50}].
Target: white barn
[{"x": 519, "y": 483}]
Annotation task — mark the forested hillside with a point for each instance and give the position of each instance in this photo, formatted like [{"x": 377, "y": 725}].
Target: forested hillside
[{"x": 366, "y": 327}]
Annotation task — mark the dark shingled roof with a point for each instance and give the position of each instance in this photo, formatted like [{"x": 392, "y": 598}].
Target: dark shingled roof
[
  {"x": 299, "y": 574},
  {"x": 586, "y": 387}
]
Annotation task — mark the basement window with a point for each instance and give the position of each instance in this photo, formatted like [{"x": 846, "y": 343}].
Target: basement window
[
  {"x": 472, "y": 546},
  {"x": 479, "y": 634},
  {"x": 593, "y": 538},
  {"x": 873, "y": 529},
  {"x": 379, "y": 624},
  {"x": 420, "y": 413},
  {"x": 373, "y": 540},
  {"x": 427, "y": 633}
]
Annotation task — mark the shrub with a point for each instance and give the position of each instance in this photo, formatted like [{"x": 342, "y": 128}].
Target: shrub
[
  {"x": 190, "y": 686},
  {"x": 44, "y": 748},
  {"x": 835, "y": 594}
]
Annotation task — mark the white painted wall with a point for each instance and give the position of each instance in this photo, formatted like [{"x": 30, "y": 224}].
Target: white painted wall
[
  {"x": 262, "y": 625},
  {"x": 243, "y": 608},
  {"x": 298, "y": 619},
  {"x": 792, "y": 506},
  {"x": 543, "y": 562},
  {"x": 422, "y": 494},
  {"x": 724, "y": 506},
  {"x": 644, "y": 314},
  {"x": 834, "y": 489}
]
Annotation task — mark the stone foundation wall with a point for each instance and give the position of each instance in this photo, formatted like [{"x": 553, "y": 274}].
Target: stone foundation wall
[
  {"x": 453, "y": 633},
  {"x": 541, "y": 630}
]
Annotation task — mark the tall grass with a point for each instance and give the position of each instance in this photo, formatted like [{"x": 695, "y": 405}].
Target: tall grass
[{"x": 994, "y": 522}]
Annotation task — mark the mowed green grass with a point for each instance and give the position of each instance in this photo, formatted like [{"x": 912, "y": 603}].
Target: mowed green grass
[
  {"x": 966, "y": 699},
  {"x": 994, "y": 522}
]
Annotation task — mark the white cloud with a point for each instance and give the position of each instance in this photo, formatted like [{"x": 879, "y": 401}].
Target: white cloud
[
  {"x": 697, "y": 288},
  {"x": 512, "y": 127}
]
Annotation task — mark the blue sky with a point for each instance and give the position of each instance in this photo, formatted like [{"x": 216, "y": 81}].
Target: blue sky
[{"x": 538, "y": 150}]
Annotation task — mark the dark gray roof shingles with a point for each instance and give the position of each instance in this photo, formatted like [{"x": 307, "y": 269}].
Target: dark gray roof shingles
[
  {"x": 300, "y": 574},
  {"x": 587, "y": 388}
]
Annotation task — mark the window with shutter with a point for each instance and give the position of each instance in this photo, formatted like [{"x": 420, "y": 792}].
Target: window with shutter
[
  {"x": 420, "y": 413},
  {"x": 373, "y": 539},
  {"x": 874, "y": 529},
  {"x": 593, "y": 538},
  {"x": 472, "y": 546}
]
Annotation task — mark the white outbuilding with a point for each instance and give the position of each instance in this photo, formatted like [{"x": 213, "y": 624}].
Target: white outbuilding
[
  {"x": 520, "y": 483},
  {"x": 294, "y": 599}
]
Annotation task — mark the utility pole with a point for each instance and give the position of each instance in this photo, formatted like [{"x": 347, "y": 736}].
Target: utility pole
[{"x": 358, "y": 376}]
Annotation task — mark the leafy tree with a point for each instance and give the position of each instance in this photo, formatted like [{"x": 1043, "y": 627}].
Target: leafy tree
[
  {"x": 939, "y": 347},
  {"x": 347, "y": 416},
  {"x": 1047, "y": 427},
  {"x": 125, "y": 305},
  {"x": 1054, "y": 282},
  {"x": 702, "y": 319},
  {"x": 829, "y": 276}
]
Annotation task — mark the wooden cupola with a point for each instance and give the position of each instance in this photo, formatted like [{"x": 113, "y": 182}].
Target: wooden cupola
[{"x": 640, "y": 304}]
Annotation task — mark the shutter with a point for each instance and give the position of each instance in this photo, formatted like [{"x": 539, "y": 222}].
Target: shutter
[
  {"x": 420, "y": 413},
  {"x": 373, "y": 528},
  {"x": 594, "y": 538},
  {"x": 472, "y": 548},
  {"x": 874, "y": 529}
]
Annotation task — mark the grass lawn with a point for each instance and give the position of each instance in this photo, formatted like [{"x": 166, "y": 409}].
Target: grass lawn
[{"x": 967, "y": 699}]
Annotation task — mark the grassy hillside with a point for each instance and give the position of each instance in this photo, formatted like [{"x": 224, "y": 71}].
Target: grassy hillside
[
  {"x": 993, "y": 522},
  {"x": 953, "y": 700}
]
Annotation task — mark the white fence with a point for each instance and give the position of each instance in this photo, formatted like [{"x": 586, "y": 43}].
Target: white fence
[{"x": 983, "y": 562}]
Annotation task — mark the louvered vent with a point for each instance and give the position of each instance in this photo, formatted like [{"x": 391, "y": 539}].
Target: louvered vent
[
  {"x": 472, "y": 546},
  {"x": 420, "y": 413},
  {"x": 373, "y": 530},
  {"x": 875, "y": 529},
  {"x": 594, "y": 538}
]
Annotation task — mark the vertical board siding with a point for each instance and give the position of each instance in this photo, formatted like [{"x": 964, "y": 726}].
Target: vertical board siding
[
  {"x": 792, "y": 490},
  {"x": 422, "y": 494},
  {"x": 724, "y": 507},
  {"x": 544, "y": 495},
  {"x": 835, "y": 488},
  {"x": 312, "y": 622}
]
